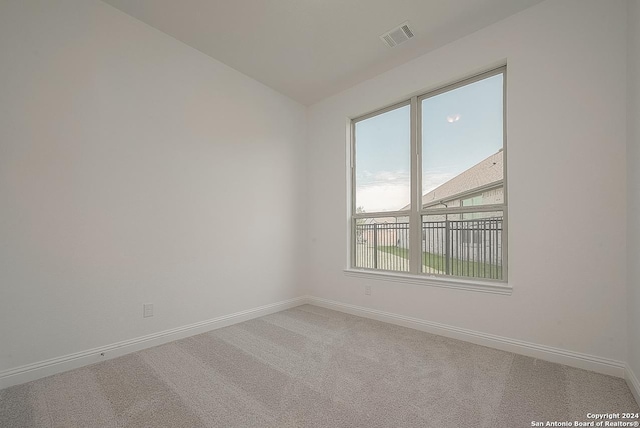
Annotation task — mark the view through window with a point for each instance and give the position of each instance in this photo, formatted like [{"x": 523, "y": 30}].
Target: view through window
[{"x": 455, "y": 225}]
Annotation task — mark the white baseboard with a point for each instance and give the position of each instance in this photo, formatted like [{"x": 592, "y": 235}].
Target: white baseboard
[
  {"x": 633, "y": 382},
  {"x": 555, "y": 355},
  {"x": 52, "y": 366}
]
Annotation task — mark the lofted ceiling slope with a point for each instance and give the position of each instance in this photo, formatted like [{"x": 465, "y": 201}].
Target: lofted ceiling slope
[{"x": 311, "y": 49}]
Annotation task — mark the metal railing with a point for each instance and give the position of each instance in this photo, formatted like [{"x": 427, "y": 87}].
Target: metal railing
[
  {"x": 470, "y": 248},
  {"x": 467, "y": 248},
  {"x": 380, "y": 246}
]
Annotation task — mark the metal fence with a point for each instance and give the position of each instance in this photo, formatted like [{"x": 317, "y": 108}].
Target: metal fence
[
  {"x": 469, "y": 248},
  {"x": 378, "y": 246}
]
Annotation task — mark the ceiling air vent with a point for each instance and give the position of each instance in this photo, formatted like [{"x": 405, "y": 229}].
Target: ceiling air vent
[{"x": 398, "y": 35}]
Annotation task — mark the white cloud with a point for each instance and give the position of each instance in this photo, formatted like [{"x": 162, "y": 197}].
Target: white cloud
[
  {"x": 391, "y": 191},
  {"x": 383, "y": 190},
  {"x": 384, "y": 197}
]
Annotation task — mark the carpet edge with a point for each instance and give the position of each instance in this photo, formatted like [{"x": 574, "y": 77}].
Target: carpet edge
[
  {"x": 556, "y": 355},
  {"x": 632, "y": 382},
  {"x": 44, "y": 368}
]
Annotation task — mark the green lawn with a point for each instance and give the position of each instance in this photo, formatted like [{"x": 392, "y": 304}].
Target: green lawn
[{"x": 458, "y": 267}]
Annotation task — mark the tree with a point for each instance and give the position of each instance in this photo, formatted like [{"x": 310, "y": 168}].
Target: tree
[
  {"x": 360, "y": 210},
  {"x": 359, "y": 223}
]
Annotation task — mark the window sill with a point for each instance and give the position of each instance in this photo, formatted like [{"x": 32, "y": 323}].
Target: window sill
[{"x": 456, "y": 284}]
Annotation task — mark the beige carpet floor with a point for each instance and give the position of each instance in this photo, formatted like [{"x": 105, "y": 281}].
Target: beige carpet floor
[{"x": 313, "y": 367}]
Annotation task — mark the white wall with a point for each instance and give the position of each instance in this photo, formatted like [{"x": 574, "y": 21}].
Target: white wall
[
  {"x": 633, "y": 182},
  {"x": 134, "y": 169},
  {"x": 566, "y": 171}
]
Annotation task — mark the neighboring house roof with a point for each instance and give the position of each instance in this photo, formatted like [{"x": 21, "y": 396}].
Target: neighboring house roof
[
  {"x": 481, "y": 174},
  {"x": 380, "y": 220}
]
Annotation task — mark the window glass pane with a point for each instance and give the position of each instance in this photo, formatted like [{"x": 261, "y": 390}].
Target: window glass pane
[
  {"x": 382, "y": 243},
  {"x": 459, "y": 230},
  {"x": 462, "y": 139},
  {"x": 383, "y": 163},
  {"x": 453, "y": 244}
]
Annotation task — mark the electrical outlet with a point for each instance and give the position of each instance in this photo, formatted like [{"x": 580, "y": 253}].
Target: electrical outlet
[
  {"x": 147, "y": 310},
  {"x": 367, "y": 290}
]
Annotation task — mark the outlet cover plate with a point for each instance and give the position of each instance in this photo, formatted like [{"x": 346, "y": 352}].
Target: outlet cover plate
[{"x": 147, "y": 310}]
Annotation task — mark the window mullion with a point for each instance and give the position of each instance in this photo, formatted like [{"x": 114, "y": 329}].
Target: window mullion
[
  {"x": 351, "y": 245},
  {"x": 415, "y": 230}
]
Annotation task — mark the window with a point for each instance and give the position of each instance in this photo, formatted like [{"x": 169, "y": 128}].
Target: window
[{"x": 428, "y": 184}]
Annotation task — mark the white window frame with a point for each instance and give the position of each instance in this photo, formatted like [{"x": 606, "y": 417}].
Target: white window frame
[{"x": 414, "y": 276}]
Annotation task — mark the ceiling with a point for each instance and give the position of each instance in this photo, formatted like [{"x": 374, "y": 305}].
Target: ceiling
[{"x": 311, "y": 49}]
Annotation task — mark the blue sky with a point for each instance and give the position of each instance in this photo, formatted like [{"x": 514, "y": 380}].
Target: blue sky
[{"x": 459, "y": 129}]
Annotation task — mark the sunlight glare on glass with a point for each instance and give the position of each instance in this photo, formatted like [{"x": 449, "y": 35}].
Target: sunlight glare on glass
[{"x": 453, "y": 118}]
